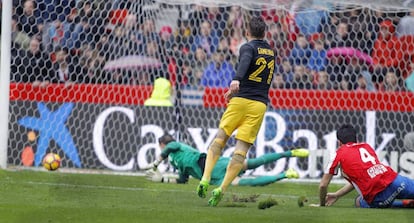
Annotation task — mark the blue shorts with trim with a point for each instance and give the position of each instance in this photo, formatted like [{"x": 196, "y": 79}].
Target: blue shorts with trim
[{"x": 401, "y": 188}]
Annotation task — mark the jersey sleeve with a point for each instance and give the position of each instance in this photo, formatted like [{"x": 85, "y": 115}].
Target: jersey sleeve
[
  {"x": 169, "y": 148},
  {"x": 333, "y": 165},
  {"x": 246, "y": 55}
]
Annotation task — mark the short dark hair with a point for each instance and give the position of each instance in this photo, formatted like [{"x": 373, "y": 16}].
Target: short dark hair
[
  {"x": 165, "y": 139},
  {"x": 257, "y": 27},
  {"x": 346, "y": 134}
]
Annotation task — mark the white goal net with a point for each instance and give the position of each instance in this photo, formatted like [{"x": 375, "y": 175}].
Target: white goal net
[{"x": 82, "y": 71}]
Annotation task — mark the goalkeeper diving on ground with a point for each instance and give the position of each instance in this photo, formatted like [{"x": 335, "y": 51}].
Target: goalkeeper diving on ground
[{"x": 190, "y": 162}]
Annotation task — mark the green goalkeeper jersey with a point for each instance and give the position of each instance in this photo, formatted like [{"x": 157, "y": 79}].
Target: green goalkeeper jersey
[{"x": 185, "y": 159}]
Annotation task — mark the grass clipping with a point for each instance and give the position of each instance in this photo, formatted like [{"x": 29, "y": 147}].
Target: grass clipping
[
  {"x": 269, "y": 202},
  {"x": 238, "y": 201}
]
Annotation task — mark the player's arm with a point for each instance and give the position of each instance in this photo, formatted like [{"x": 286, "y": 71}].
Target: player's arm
[
  {"x": 182, "y": 178},
  {"x": 171, "y": 147},
  {"x": 331, "y": 198},
  {"x": 246, "y": 55},
  {"x": 323, "y": 188}
]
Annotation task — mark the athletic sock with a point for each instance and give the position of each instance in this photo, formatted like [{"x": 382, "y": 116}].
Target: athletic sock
[
  {"x": 260, "y": 181},
  {"x": 267, "y": 158}
]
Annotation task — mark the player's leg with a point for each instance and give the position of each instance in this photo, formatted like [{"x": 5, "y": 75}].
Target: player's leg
[
  {"x": 406, "y": 203},
  {"x": 228, "y": 123},
  {"x": 272, "y": 157},
  {"x": 246, "y": 135},
  {"x": 360, "y": 202},
  {"x": 213, "y": 154},
  {"x": 233, "y": 170},
  {"x": 406, "y": 195},
  {"x": 265, "y": 180}
]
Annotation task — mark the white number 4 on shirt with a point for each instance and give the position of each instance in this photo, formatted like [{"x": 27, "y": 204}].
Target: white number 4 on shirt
[{"x": 366, "y": 157}]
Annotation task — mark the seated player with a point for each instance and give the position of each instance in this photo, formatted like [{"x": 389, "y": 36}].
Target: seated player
[
  {"x": 377, "y": 184},
  {"x": 190, "y": 162}
]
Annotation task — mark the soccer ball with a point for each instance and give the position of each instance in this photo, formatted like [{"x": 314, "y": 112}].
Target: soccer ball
[{"x": 51, "y": 161}]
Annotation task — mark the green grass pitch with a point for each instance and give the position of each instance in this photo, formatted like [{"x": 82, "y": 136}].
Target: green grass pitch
[{"x": 49, "y": 197}]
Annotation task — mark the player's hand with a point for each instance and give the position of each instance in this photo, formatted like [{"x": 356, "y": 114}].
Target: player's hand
[
  {"x": 228, "y": 95},
  {"x": 234, "y": 86},
  {"x": 330, "y": 199},
  {"x": 152, "y": 165},
  {"x": 154, "y": 176}
]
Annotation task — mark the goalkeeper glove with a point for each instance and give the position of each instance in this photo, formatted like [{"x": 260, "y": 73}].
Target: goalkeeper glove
[
  {"x": 156, "y": 176},
  {"x": 153, "y": 165}
]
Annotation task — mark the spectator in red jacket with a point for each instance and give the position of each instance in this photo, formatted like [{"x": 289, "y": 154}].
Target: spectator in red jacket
[{"x": 386, "y": 53}]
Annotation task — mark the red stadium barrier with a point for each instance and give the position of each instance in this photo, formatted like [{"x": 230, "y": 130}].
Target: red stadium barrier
[
  {"x": 213, "y": 97},
  {"x": 85, "y": 93},
  {"x": 326, "y": 100}
]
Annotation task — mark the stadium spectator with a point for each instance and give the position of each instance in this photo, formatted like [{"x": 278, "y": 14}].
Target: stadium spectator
[
  {"x": 323, "y": 82},
  {"x": 166, "y": 37},
  {"x": 63, "y": 68},
  {"x": 302, "y": 79},
  {"x": 344, "y": 84},
  {"x": 278, "y": 82},
  {"x": 405, "y": 25},
  {"x": 236, "y": 40},
  {"x": 336, "y": 69},
  {"x": 285, "y": 19},
  {"x": 361, "y": 83},
  {"x": 378, "y": 185},
  {"x": 122, "y": 43},
  {"x": 224, "y": 47},
  {"x": 182, "y": 36},
  {"x": 342, "y": 37},
  {"x": 190, "y": 162},
  {"x": 20, "y": 39},
  {"x": 207, "y": 39},
  {"x": 353, "y": 70},
  {"x": 318, "y": 60},
  {"x": 91, "y": 65},
  {"x": 409, "y": 81},
  {"x": 387, "y": 52},
  {"x": 361, "y": 30},
  {"x": 278, "y": 40},
  {"x": 153, "y": 50},
  {"x": 218, "y": 17},
  {"x": 219, "y": 72},
  {"x": 55, "y": 34},
  {"x": 146, "y": 34},
  {"x": 30, "y": 19},
  {"x": 31, "y": 65},
  {"x": 392, "y": 83},
  {"x": 52, "y": 10},
  {"x": 196, "y": 17},
  {"x": 286, "y": 69},
  {"x": 301, "y": 51},
  {"x": 201, "y": 61},
  {"x": 236, "y": 18},
  {"x": 309, "y": 18}
]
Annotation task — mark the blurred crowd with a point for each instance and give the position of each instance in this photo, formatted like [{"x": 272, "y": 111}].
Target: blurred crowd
[{"x": 119, "y": 42}]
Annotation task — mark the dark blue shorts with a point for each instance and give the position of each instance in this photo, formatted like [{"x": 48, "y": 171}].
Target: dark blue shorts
[{"x": 400, "y": 188}]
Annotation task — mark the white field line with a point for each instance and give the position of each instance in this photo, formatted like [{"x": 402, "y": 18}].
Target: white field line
[{"x": 109, "y": 172}]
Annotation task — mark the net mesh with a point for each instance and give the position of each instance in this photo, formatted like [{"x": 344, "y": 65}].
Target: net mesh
[{"x": 82, "y": 71}]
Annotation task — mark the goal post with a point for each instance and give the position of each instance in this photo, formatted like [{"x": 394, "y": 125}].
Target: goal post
[
  {"x": 5, "y": 80},
  {"x": 80, "y": 76}
]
